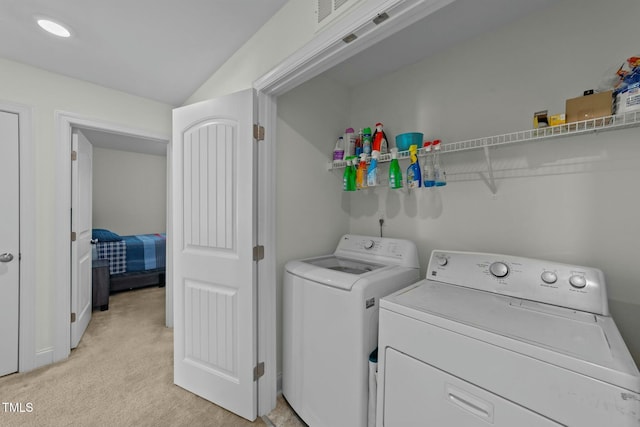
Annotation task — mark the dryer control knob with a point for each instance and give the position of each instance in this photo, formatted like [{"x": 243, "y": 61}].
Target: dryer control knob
[
  {"x": 369, "y": 244},
  {"x": 442, "y": 260},
  {"x": 578, "y": 281},
  {"x": 499, "y": 269},
  {"x": 549, "y": 277}
]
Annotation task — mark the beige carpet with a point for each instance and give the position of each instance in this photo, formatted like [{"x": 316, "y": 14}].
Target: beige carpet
[
  {"x": 284, "y": 416},
  {"x": 120, "y": 375}
]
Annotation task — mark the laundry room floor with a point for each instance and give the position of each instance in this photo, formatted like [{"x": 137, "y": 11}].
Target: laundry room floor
[{"x": 283, "y": 415}]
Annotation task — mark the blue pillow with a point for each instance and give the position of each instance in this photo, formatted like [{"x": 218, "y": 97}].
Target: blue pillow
[{"x": 105, "y": 235}]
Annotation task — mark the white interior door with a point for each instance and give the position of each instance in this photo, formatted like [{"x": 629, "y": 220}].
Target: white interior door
[
  {"x": 81, "y": 218},
  {"x": 9, "y": 242},
  {"x": 214, "y": 273}
]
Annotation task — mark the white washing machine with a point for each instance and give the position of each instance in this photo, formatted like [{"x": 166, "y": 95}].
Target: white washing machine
[
  {"x": 330, "y": 325},
  {"x": 504, "y": 341}
]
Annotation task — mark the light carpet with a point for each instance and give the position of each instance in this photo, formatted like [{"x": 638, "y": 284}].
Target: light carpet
[{"x": 121, "y": 374}]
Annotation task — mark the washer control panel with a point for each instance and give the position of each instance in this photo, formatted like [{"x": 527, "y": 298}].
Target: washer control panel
[
  {"x": 576, "y": 287},
  {"x": 379, "y": 249}
]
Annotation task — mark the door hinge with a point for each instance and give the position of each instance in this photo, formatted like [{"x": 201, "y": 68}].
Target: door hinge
[
  {"x": 73, "y": 317},
  {"x": 73, "y": 236},
  {"x": 258, "y": 132},
  {"x": 258, "y": 371},
  {"x": 258, "y": 253},
  {"x": 74, "y": 156}
]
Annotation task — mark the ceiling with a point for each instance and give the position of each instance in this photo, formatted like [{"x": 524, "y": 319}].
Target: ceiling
[
  {"x": 166, "y": 49},
  {"x": 158, "y": 49}
]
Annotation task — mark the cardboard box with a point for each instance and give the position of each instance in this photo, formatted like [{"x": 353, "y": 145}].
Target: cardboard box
[
  {"x": 557, "y": 119},
  {"x": 589, "y": 107}
]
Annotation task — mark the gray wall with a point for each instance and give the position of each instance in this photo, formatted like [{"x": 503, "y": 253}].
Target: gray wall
[{"x": 129, "y": 191}]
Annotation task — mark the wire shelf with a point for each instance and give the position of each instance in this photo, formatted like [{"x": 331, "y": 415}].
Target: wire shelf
[{"x": 600, "y": 124}]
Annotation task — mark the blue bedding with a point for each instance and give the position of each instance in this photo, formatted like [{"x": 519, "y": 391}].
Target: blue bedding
[{"x": 145, "y": 252}]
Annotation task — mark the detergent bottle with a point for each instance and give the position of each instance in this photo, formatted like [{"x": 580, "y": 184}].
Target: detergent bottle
[
  {"x": 338, "y": 151},
  {"x": 359, "y": 143},
  {"x": 372, "y": 172},
  {"x": 349, "y": 142},
  {"x": 414, "y": 179},
  {"x": 366, "y": 141},
  {"x": 380, "y": 141},
  {"x": 395, "y": 173},
  {"x": 361, "y": 173}
]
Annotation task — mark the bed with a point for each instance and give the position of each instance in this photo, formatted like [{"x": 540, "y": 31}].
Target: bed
[{"x": 135, "y": 261}]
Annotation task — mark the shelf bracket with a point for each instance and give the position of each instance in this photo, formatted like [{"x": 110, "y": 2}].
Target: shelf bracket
[{"x": 491, "y": 183}]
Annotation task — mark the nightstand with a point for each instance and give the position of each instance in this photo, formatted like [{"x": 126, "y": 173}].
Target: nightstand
[{"x": 100, "y": 283}]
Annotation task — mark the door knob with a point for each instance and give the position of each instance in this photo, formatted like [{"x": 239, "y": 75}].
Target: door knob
[{"x": 6, "y": 257}]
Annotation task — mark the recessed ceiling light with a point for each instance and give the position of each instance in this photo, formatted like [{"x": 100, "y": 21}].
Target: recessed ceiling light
[{"x": 53, "y": 28}]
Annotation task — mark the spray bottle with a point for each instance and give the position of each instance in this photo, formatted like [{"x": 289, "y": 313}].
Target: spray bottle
[
  {"x": 427, "y": 166},
  {"x": 414, "y": 179},
  {"x": 349, "y": 177},
  {"x": 361, "y": 173},
  {"x": 395, "y": 173},
  {"x": 372, "y": 172},
  {"x": 439, "y": 175}
]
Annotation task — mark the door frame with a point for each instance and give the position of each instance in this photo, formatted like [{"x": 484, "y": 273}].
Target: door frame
[
  {"x": 27, "y": 281},
  {"x": 64, "y": 122}
]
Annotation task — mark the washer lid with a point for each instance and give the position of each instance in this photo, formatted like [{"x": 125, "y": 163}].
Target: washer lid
[
  {"x": 578, "y": 341},
  {"x": 344, "y": 265},
  {"x": 335, "y": 271}
]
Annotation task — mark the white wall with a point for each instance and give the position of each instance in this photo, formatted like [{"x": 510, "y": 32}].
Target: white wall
[
  {"x": 571, "y": 200},
  {"x": 129, "y": 192},
  {"x": 287, "y": 31},
  {"x": 46, "y": 93}
]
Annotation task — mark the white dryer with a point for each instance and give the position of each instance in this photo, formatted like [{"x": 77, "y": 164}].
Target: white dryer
[
  {"x": 500, "y": 340},
  {"x": 330, "y": 325}
]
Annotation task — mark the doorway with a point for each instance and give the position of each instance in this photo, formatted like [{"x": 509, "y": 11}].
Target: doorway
[
  {"x": 9, "y": 242},
  {"x": 19, "y": 254},
  {"x": 65, "y": 123}
]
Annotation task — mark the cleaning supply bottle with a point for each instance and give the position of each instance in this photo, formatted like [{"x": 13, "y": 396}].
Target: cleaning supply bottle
[
  {"x": 380, "y": 141},
  {"x": 361, "y": 173},
  {"x": 372, "y": 172},
  {"x": 338, "y": 151},
  {"x": 349, "y": 142},
  {"x": 359, "y": 143},
  {"x": 395, "y": 173},
  {"x": 439, "y": 175},
  {"x": 366, "y": 141},
  {"x": 349, "y": 176},
  {"x": 414, "y": 179},
  {"x": 427, "y": 166}
]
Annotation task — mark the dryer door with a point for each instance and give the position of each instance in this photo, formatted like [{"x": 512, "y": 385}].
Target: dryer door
[{"x": 416, "y": 393}]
